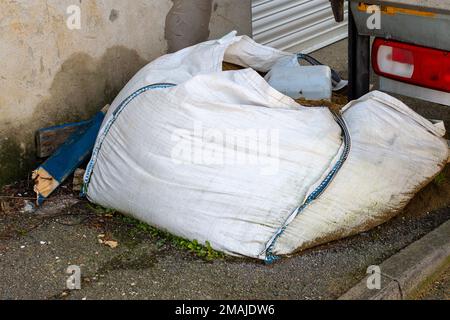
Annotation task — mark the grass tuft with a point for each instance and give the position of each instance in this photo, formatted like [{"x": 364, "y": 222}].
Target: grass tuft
[{"x": 205, "y": 251}]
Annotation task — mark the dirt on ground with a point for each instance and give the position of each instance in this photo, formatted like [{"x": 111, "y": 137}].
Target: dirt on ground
[{"x": 337, "y": 102}]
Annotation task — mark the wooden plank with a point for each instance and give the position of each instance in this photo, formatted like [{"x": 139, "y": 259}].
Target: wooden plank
[
  {"x": 77, "y": 149},
  {"x": 78, "y": 182},
  {"x": 67, "y": 158},
  {"x": 48, "y": 140}
]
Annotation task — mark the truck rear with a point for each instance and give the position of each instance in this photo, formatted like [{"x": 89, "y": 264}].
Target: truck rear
[{"x": 405, "y": 42}]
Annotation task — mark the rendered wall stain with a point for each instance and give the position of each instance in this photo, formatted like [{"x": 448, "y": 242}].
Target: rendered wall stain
[
  {"x": 231, "y": 15},
  {"x": 188, "y": 23},
  {"x": 51, "y": 75},
  {"x": 193, "y": 21}
]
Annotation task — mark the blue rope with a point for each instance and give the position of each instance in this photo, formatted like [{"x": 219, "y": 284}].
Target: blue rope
[
  {"x": 109, "y": 124},
  {"x": 270, "y": 257}
]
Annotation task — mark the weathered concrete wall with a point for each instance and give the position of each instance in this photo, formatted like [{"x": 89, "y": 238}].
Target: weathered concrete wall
[{"x": 50, "y": 74}]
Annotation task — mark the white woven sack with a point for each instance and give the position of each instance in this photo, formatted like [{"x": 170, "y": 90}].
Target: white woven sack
[{"x": 223, "y": 157}]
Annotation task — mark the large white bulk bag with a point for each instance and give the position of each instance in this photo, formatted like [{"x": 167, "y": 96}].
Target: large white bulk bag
[
  {"x": 223, "y": 157},
  {"x": 394, "y": 153}
]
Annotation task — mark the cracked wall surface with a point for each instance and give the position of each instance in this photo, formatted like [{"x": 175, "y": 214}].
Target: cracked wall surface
[{"x": 50, "y": 74}]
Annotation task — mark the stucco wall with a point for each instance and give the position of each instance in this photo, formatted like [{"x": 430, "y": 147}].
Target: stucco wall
[{"x": 50, "y": 74}]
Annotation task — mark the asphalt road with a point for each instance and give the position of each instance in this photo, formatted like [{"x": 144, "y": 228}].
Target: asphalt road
[{"x": 34, "y": 265}]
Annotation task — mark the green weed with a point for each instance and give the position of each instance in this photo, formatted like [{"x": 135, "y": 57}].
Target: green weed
[
  {"x": 203, "y": 251},
  {"x": 440, "y": 179},
  {"x": 162, "y": 237}
]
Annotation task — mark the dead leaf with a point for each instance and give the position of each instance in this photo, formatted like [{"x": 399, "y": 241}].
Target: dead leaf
[{"x": 111, "y": 243}]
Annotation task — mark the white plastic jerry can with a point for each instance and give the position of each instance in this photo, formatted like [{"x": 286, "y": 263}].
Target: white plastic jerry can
[{"x": 297, "y": 81}]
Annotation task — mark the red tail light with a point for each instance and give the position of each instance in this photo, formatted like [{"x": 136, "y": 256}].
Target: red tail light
[{"x": 417, "y": 65}]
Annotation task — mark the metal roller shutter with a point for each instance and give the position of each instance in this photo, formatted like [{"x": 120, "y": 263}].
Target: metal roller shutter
[{"x": 296, "y": 25}]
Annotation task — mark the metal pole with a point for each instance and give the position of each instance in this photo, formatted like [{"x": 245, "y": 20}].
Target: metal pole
[{"x": 358, "y": 60}]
